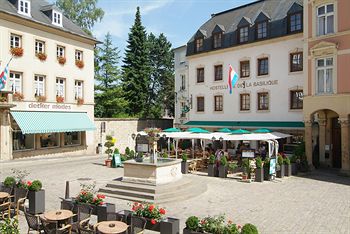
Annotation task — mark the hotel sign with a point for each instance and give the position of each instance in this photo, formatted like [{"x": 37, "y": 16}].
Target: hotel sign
[
  {"x": 41, "y": 106},
  {"x": 246, "y": 84}
]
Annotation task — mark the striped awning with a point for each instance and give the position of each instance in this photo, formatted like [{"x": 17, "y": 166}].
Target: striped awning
[{"x": 45, "y": 122}]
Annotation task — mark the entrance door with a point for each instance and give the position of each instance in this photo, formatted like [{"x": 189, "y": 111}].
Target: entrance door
[{"x": 336, "y": 142}]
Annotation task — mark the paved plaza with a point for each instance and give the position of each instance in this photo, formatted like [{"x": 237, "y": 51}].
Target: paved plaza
[{"x": 318, "y": 202}]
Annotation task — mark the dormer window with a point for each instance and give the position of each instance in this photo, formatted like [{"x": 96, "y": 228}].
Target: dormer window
[
  {"x": 261, "y": 30},
  {"x": 217, "y": 40},
  {"x": 56, "y": 18},
  {"x": 199, "y": 44},
  {"x": 295, "y": 22},
  {"x": 24, "y": 7}
]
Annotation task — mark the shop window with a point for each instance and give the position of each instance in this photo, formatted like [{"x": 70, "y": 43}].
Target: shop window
[
  {"x": 72, "y": 138},
  {"x": 324, "y": 76},
  {"x": 325, "y": 19},
  {"x": 78, "y": 89},
  {"x": 296, "y": 62},
  {"x": 15, "y": 82},
  {"x": 244, "y": 102},
  {"x": 296, "y": 99},
  {"x": 22, "y": 141},
  {"x": 200, "y": 104},
  {"x": 244, "y": 69},
  {"x": 218, "y": 103},
  {"x": 218, "y": 72},
  {"x": 49, "y": 140},
  {"x": 200, "y": 75},
  {"x": 263, "y": 101},
  {"x": 15, "y": 41}
]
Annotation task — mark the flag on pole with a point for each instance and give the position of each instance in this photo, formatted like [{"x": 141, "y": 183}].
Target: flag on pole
[
  {"x": 3, "y": 76},
  {"x": 232, "y": 78}
]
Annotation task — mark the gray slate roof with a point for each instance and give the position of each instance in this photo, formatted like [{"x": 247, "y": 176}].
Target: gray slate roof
[{"x": 38, "y": 16}]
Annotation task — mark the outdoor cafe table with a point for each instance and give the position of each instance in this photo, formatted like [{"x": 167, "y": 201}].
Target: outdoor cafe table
[
  {"x": 58, "y": 215},
  {"x": 4, "y": 195},
  {"x": 111, "y": 227}
]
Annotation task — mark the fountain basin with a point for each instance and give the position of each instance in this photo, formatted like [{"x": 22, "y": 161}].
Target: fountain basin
[{"x": 163, "y": 172}]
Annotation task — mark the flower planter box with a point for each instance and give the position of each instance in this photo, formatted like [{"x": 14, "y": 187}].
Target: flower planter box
[
  {"x": 101, "y": 211},
  {"x": 187, "y": 231},
  {"x": 294, "y": 168},
  {"x": 259, "y": 175},
  {"x": 222, "y": 171},
  {"x": 280, "y": 173},
  {"x": 20, "y": 193},
  {"x": 287, "y": 170},
  {"x": 211, "y": 170},
  {"x": 36, "y": 202},
  {"x": 184, "y": 167}
]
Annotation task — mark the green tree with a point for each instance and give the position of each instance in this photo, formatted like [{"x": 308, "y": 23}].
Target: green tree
[
  {"x": 136, "y": 69},
  {"x": 108, "y": 93},
  {"x": 84, "y": 13},
  {"x": 161, "y": 89}
]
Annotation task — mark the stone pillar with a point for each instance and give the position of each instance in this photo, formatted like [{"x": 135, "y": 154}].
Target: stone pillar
[
  {"x": 308, "y": 141},
  {"x": 61, "y": 139},
  {"x": 345, "y": 145},
  {"x": 5, "y": 136},
  {"x": 322, "y": 140}
]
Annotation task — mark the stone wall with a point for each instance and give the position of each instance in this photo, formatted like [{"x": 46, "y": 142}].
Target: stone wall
[{"x": 122, "y": 129}]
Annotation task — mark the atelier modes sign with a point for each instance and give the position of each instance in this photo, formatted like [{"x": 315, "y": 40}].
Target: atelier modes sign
[{"x": 48, "y": 106}]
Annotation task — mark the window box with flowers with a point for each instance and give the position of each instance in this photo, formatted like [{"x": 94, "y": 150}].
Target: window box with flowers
[
  {"x": 17, "y": 51},
  {"x": 61, "y": 60},
  {"x": 40, "y": 98},
  {"x": 18, "y": 97},
  {"x": 41, "y": 56},
  {"x": 36, "y": 197},
  {"x": 59, "y": 99},
  {"x": 80, "y": 101},
  {"x": 79, "y": 63}
]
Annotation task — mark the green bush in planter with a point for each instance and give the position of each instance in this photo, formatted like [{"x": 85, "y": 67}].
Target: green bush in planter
[
  {"x": 231, "y": 229},
  {"x": 192, "y": 223},
  {"x": 9, "y": 181},
  {"x": 123, "y": 157},
  {"x": 132, "y": 154},
  {"x": 223, "y": 161},
  {"x": 232, "y": 166},
  {"x": 184, "y": 157},
  {"x": 286, "y": 161},
  {"x": 267, "y": 162},
  {"x": 211, "y": 159},
  {"x": 280, "y": 160},
  {"x": 245, "y": 165},
  {"x": 249, "y": 229},
  {"x": 165, "y": 155},
  {"x": 127, "y": 150},
  {"x": 35, "y": 186},
  {"x": 258, "y": 163},
  {"x": 9, "y": 226}
]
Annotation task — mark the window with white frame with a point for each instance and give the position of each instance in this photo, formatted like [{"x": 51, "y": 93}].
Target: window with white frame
[
  {"x": 39, "y": 85},
  {"x": 56, "y": 18},
  {"x": 15, "y": 82},
  {"x": 78, "y": 89},
  {"x": 39, "y": 47},
  {"x": 15, "y": 41},
  {"x": 325, "y": 19},
  {"x": 78, "y": 55},
  {"x": 324, "y": 76},
  {"x": 60, "y": 87},
  {"x": 24, "y": 7},
  {"x": 60, "y": 51}
]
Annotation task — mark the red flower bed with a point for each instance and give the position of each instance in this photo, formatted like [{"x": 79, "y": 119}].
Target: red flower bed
[
  {"x": 79, "y": 63},
  {"x": 148, "y": 210},
  {"x": 17, "y": 51},
  {"x": 61, "y": 60}
]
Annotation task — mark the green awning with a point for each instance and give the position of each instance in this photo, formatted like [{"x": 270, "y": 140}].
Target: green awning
[
  {"x": 197, "y": 130},
  {"x": 251, "y": 124},
  {"x": 240, "y": 131},
  {"x": 224, "y": 130},
  {"x": 45, "y": 122}
]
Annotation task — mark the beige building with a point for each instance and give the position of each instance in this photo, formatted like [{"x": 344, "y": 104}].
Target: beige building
[
  {"x": 51, "y": 76},
  {"x": 327, "y": 84}
]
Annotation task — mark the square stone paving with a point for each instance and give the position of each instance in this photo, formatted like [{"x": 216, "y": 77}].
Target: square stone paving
[{"x": 317, "y": 202}]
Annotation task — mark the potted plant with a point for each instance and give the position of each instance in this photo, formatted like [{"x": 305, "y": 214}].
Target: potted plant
[
  {"x": 246, "y": 168},
  {"x": 59, "y": 99},
  {"x": 152, "y": 213},
  {"x": 40, "y": 98},
  {"x": 17, "y": 51},
  {"x": 165, "y": 155},
  {"x": 211, "y": 166},
  {"x": 9, "y": 226},
  {"x": 259, "y": 170},
  {"x": 80, "y": 101},
  {"x": 223, "y": 167},
  {"x": 266, "y": 165},
  {"x": 192, "y": 225},
  {"x": 61, "y": 60},
  {"x": 109, "y": 144},
  {"x": 184, "y": 164},
  {"x": 287, "y": 166},
  {"x": 280, "y": 172},
  {"x": 9, "y": 182},
  {"x": 139, "y": 157},
  {"x": 41, "y": 56},
  {"x": 79, "y": 63},
  {"x": 17, "y": 96},
  {"x": 249, "y": 228},
  {"x": 293, "y": 162},
  {"x": 232, "y": 167},
  {"x": 36, "y": 197}
]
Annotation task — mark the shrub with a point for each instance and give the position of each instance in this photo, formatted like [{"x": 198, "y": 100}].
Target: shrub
[
  {"x": 232, "y": 166},
  {"x": 211, "y": 159},
  {"x": 231, "y": 229},
  {"x": 165, "y": 155},
  {"x": 249, "y": 229},
  {"x": 286, "y": 161},
  {"x": 267, "y": 162},
  {"x": 132, "y": 154},
  {"x": 245, "y": 165},
  {"x": 192, "y": 223},
  {"x": 258, "y": 162},
  {"x": 127, "y": 150},
  {"x": 139, "y": 155},
  {"x": 184, "y": 157},
  {"x": 223, "y": 161},
  {"x": 9, "y": 181},
  {"x": 279, "y": 159},
  {"x": 123, "y": 158},
  {"x": 36, "y": 185},
  {"x": 9, "y": 226},
  {"x": 213, "y": 224}
]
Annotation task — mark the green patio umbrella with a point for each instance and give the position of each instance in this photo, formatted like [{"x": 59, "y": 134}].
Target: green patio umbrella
[
  {"x": 172, "y": 130},
  {"x": 225, "y": 130},
  {"x": 262, "y": 130},
  {"x": 197, "y": 130},
  {"x": 240, "y": 131}
]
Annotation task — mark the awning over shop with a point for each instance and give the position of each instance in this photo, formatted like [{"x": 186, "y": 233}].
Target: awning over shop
[
  {"x": 45, "y": 122},
  {"x": 251, "y": 124}
]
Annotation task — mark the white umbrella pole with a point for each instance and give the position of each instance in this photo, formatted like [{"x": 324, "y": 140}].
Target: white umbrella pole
[
  {"x": 176, "y": 144},
  {"x": 168, "y": 146}
]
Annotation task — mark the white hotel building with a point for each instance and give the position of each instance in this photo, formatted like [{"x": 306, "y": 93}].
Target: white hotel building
[
  {"x": 47, "y": 106},
  {"x": 263, "y": 41}
]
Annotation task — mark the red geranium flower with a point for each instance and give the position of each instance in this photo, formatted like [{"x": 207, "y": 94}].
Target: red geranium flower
[
  {"x": 153, "y": 221},
  {"x": 162, "y": 211},
  {"x": 101, "y": 203},
  {"x": 150, "y": 208},
  {"x": 29, "y": 183}
]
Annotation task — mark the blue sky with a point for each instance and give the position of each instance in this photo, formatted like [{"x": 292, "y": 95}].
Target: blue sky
[{"x": 177, "y": 19}]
